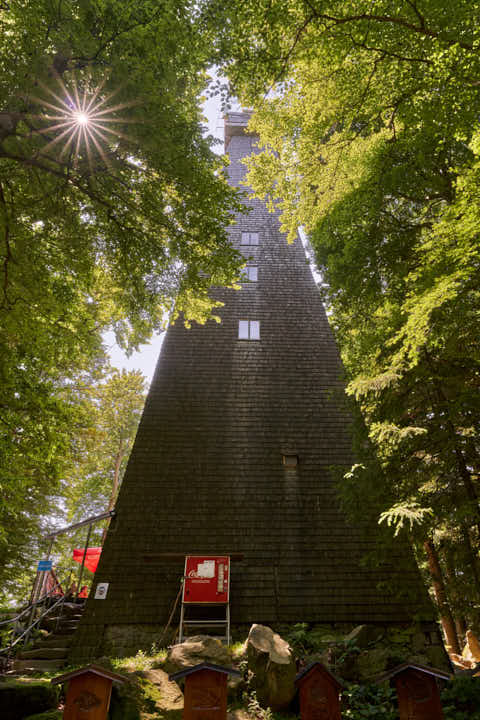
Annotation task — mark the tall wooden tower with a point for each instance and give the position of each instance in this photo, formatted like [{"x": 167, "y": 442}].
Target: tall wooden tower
[{"x": 242, "y": 426}]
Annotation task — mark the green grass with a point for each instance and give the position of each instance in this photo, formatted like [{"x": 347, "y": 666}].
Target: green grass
[{"x": 140, "y": 661}]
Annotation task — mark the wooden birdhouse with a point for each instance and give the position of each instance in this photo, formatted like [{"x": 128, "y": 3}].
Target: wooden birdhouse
[
  {"x": 319, "y": 693},
  {"x": 205, "y": 695},
  {"x": 417, "y": 691},
  {"x": 88, "y": 693}
]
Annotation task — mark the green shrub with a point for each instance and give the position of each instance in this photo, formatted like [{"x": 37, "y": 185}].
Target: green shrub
[
  {"x": 377, "y": 702},
  {"x": 461, "y": 699}
]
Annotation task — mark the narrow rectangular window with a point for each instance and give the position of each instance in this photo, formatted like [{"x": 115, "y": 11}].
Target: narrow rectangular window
[
  {"x": 243, "y": 330},
  {"x": 249, "y": 330},
  {"x": 254, "y": 330},
  {"x": 250, "y": 273}
]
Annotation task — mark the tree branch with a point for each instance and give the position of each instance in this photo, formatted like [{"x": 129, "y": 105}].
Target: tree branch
[
  {"x": 388, "y": 19},
  {"x": 8, "y": 250}
]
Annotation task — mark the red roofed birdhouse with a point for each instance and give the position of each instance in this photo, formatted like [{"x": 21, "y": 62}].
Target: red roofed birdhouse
[
  {"x": 88, "y": 693},
  {"x": 319, "y": 693},
  {"x": 205, "y": 696},
  {"x": 417, "y": 691}
]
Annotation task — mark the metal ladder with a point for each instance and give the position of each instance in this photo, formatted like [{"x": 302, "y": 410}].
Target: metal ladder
[{"x": 186, "y": 623}]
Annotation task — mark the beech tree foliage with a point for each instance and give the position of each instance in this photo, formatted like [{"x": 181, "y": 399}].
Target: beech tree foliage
[
  {"x": 113, "y": 211},
  {"x": 101, "y": 452},
  {"x": 368, "y": 114}
]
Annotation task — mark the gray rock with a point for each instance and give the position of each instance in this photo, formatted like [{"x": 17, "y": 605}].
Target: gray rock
[
  {"x": 46, "y": 653},
  {"x": 22, "y": 666},
  {"x": 195, "y": 650},
  {"x": 364, "y": 635},
  {"x": 271, "y": 661}
]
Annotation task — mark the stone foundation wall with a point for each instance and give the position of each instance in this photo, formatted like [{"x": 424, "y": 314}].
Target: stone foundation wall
[
  {"x": 118, "y": 641},
  {"x": 373, "y": 648}
]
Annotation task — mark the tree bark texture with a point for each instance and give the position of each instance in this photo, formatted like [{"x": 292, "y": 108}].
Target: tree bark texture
[{"x": 446, "y": 617}]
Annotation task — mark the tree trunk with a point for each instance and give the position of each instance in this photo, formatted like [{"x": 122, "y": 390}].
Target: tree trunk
[
  {"x": 453, "y": 594},
  {"x": 441, "y": 597},
  {"x": 473, "y": 598}
]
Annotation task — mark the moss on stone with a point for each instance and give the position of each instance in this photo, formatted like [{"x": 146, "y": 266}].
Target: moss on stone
[
  {"x": 48, "y": 715},
  {"x": 144, "y": 697},
  {"x": 23, "y": 697}
]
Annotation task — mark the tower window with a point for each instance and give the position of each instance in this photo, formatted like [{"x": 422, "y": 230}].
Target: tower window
[
  {"x": 250, "y": 273},
  {"x": 249, "y": 330},
  {"x": 249, "y": 238},
  {"x": 290, "y": 461}
]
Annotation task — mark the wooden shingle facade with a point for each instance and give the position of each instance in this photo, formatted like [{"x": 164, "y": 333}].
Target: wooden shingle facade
[{"x": 234, "y": 455}]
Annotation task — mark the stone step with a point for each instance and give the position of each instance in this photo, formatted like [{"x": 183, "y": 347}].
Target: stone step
[
  {"x": 65, "y": 628},
  {"x": 35, "y": 665},
  {"x": 54, "y": 641},
  {"x": 72, "y": 608},
  {"x": 46, "y": 653},
  {"x": 51, "y": 619},
  {"x": 51, "y": 622}
]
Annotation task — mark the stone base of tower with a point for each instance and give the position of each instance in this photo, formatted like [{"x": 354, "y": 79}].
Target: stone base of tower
[
  {"x": 124, "y": 640},
  {"x": 377, "y": 645}
]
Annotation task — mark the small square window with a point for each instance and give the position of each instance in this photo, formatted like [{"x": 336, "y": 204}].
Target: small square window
[
  {"x": 290, "y": 461},
  {"x": 249, "y": 330},
  {"x": 250, "y": 273},
  {"x": 249, "y": 238}
]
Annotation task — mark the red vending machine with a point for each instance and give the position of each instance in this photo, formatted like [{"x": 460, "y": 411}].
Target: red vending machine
[
  {"x": 207, "y": 579},
  {"x": 206, "y": 594}
]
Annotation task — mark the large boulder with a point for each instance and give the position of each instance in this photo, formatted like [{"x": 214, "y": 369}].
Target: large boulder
[
  {"x": 195, "y": 650},
  {"x": 271, "y": 662},
  {"x": 364, "y": 636}
]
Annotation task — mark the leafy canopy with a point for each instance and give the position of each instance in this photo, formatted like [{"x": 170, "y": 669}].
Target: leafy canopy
[
  {"x": 113, "y": 214},
  {"x": 368, "y": 114}
]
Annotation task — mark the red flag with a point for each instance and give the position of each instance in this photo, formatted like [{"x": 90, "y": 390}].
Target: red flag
[{"x": 92, "y": 557}]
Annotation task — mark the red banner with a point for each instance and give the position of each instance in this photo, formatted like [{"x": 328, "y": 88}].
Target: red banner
[{"x": 92, "y": 557}]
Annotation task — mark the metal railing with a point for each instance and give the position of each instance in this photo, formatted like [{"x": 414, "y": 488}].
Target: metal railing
[
  {"x": 37, "y": 599},
  {"x": 88, "y": 523},
  {"x": 33, "y": 621}
]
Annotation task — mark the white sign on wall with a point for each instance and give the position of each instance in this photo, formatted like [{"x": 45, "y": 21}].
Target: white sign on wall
[{"x": 101, "y": 591}]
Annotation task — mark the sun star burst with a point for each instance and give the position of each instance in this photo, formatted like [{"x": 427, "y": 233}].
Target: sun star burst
[{"x": 80, "y": 123}]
